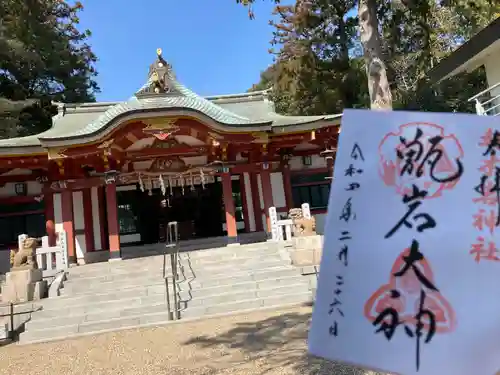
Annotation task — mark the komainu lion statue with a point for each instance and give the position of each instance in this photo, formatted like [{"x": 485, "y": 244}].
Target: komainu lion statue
[
  {"x": 25, "y": 257},
  {"x": 302, "y": 226}
]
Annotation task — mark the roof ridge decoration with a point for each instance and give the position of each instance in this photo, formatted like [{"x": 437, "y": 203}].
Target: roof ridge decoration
[
  {"x": 160, "y": 79},
  {"x": 162, "y": 83},
  {"x": 79, "y": 123}
]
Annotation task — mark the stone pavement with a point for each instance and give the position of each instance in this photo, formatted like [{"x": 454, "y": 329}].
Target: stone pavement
[{"x": 258, "y": 343}]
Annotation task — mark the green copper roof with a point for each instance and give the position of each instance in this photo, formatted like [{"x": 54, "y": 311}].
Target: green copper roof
[{"x": 77, "y": 123}]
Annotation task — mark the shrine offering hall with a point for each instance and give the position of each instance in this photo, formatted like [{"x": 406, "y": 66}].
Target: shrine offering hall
[{"x": 110, "y": 174}]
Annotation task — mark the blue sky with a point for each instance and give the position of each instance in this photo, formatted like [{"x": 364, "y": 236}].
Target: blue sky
[{"x": 213, "y": 46}]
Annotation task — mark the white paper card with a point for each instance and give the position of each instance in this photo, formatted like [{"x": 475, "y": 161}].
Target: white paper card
[{"x": 410, "y": 274}]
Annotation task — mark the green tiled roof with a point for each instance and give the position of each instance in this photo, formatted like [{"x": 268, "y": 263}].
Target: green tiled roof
[{"x": 76, "y": 122}]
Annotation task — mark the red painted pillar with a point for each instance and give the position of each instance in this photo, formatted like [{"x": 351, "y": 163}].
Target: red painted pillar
[
  {"x": 244, "y": 202},
  {"x": 287, "y": 185},
  {"x": 102, "y": 217},
  {"x": 68, "y": 223},
  {"x": 265, "y": 179},
  {"x": 254, "y": 186},
  {"x": 113, "y": 228},
  {"x": 227, "y": 191},
  {"x": 88, "y": 220},
  {"x": 50, "y": 227}
]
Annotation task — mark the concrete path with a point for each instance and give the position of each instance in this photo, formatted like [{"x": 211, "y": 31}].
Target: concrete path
[{"x": 258, "y": 343}]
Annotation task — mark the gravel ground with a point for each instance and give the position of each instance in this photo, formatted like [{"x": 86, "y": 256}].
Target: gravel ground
[{"x": 259, "y": 343}]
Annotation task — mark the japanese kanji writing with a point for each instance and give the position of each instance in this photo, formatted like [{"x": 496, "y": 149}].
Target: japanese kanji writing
[
  {"x": 346, "y": 215},
  {"x": 415, "y": 155},
  {"x": 487, "y": 217}
]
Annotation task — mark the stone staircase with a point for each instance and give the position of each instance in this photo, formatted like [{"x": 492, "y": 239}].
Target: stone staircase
[{"x": 131, "y": 293}]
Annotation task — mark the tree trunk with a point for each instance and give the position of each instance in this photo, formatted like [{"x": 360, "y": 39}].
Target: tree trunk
[{"x": 378, "y": 85}]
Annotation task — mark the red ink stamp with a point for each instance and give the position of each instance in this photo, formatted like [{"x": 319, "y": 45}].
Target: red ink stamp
[
  {"x": 425, "y": 157},
  {"x": 403, "y": 295}
]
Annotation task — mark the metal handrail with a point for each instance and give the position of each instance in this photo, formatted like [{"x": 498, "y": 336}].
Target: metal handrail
[
  {"x": 484, "y": 92},
  {"x": 490, "y": 100},
  {"x": 491, "y": 108},
  {"x": 172, "y": 248},
  {"x": 489, "y": 105},
  {"x": 11, "y": 314}
]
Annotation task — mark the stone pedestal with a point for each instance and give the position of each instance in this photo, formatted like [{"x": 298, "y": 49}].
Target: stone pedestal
[
  {"x": 23, "y": 286},
  {"x": 306, "y": 257},
  {"x": 307, "y": 250},
  {"x": 4, "y": 331}
]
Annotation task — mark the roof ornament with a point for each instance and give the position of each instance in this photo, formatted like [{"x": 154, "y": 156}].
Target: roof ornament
[{"x": 159, "y": 78}]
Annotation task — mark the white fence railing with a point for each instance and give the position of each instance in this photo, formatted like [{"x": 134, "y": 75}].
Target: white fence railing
[
  {"x": 488, "y": 101},
  {"x": 51, "y": 259},
  {"x": 281, "y": 230}
]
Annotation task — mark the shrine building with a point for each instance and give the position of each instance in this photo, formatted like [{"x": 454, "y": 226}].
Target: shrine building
[{"x": 218, "y": 163}]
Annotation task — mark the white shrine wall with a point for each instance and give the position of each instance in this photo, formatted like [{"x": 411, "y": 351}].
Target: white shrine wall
[
  {"x": 278, "y": 190},
  {"x": 96, "y": 218},
  {"x": 79, "y": 224}
]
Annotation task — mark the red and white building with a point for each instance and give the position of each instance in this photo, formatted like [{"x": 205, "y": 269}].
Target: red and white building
[{"x": 102, "y": 169}]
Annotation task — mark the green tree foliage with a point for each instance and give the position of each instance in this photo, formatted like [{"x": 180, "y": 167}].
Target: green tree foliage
[
  {"x": 314, "y": 74},
  {"x": 43, "y": 58},
  {"x": 314, "y": 71},
  {"x": 472, "y": 15},
  {"x": 417, "y": 35}
]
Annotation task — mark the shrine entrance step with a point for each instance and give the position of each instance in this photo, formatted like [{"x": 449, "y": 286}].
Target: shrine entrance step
[
  {"x": 131, "y": 293},
  {"x": 193, "y": 245}
]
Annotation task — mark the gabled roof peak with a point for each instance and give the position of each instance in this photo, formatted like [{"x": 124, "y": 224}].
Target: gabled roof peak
[{"x": 161, "y": 78}]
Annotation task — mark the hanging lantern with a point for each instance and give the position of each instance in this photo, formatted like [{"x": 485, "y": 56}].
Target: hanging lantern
[
  {"x": 192, "y": 181},
  {"x": 141, "y": 183},
  {"x": 162, "y": 185},
  {"x": 170, "y": 186},
  {"x": 202, "y": 177},
  {"x": 182, "y": 185},
  {"x": 150, "y": 187}
]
